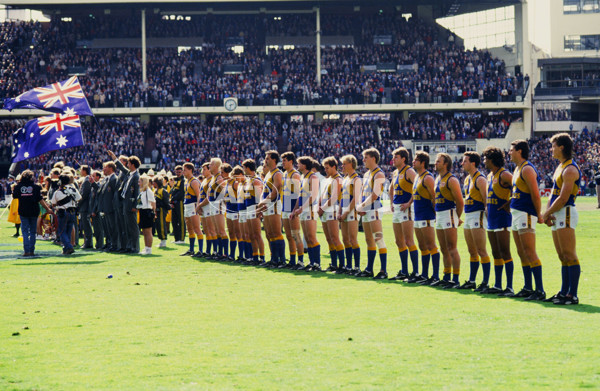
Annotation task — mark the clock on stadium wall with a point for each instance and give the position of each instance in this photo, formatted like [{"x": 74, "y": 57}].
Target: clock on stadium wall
[{"x": 230, "y": 104}]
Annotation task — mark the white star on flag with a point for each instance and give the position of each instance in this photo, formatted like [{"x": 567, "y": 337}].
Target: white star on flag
[
  {"x": 62, "y": 141},
  {"x": 26, "y": 154}
]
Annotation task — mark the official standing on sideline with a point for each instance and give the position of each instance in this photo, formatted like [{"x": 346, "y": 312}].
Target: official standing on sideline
[
  {"x": 95, "y": 209},
  {"x": 177, "y": 195},
  {"x": 162, "y": 208},
  {"x": 84, "y": 207},
  {"x": 65, "y": 201},
  {"x": 107, "y": 206}
]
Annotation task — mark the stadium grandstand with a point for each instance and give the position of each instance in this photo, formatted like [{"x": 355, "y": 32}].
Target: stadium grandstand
[{"x": 183, "y": 81}]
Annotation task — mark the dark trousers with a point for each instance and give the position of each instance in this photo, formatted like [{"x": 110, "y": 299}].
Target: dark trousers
[
  {"x": 111, "y": 233},
  {"x": 178, "y": 223},
  {"x": 98, "y": 231},
  {"x": 66, "y": 222},
  {"x": 86, "y": 225},
  {"x": 120, "y": 229},
  {"x": 160, "y": 224},
  {"x": 132, "y": 230}
]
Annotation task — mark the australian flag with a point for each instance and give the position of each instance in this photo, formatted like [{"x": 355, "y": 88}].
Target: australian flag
[
  {"x": 56, "y": 98},
  {"x": 45, "y": 134}
]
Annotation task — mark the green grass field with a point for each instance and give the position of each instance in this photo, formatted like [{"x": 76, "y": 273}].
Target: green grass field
[{"x": 166, "y": 322}]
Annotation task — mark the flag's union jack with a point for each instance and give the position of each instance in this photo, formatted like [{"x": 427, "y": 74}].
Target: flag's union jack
[
  {"x": 60, "y": 92},
  {"x": 58, "y": 122}
]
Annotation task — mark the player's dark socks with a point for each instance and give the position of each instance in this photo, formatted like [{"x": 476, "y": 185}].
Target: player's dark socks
[
  {"x": 425, "y": 263},
  {"x": 317, "y": 250},
  {"x": 333, "y": 256},
  {"x": 528, "y": 283},
  {"x": 435, "y": 264},
  {"x": 341, "y": 258},
  {"x": 192, "y": 243},
  {"x": 564, "y": 273},
  {"x": 348, "y": 251},
  {"x": 509, "y": 266},
  {"x": 574, "y": 273},
  {"x": 371, "y": 253},
  {"x": 473, "y": 268},
  {"x": 498, "y": 267},
  {"x": 356, "y": 251},
  {"x": 209, "y": 243},
  {"x": 404, "y": 261},
  {"x": 414, "y": 258},
  {"x": 486, "y": 268},
  {"x": 232, "y": 247},
  {"x": 383, "y": 259},
  {"x": 537, "y": 275}
]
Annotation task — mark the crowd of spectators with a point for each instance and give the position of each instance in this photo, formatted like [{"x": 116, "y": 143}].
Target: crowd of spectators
[{"x": 423, "y": 67}]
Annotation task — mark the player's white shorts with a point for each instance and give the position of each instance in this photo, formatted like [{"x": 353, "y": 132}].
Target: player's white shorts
[
  {"x": 446, "y": 219},
  {"x": 566, "y": 217},
  {"x": 272, "y": 208},
  {"x": 424, "y": 223},
  {"x": 328, "y": 216},
  {"x": 208, "y": 210},
  {"x": 401, "y": 216},
  {"x": 522, "y": 220},
  {"x": 242, "y": 216},
  {"x": 250, "y": 212},
  {"x": 232, "y": 216},
  {"x": 307, "y": 215},
  {"x": 474, "y": 220},
  {"x": 285, "y": 215},
  {"x": 189, "y": 210},
  {"x": 352, "y": 216},
  {"x": 371, "y": 215}
]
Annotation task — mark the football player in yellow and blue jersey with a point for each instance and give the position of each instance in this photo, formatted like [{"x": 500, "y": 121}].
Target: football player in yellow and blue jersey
[
  {"x": 229, "y": 195},
  {"x": 423, "y": 202},
  {"x": 190, "y": 202},
  {"x": 328, "y": 210},
  {"x": 270, "y": 206},
  {"x": 499, "y": 221},
  {"x": 305, "y": 210},
  {"x": 348, "y": 217},
  {"x": 206, "y": 210},
  {"x": 475, "y": 192},
  {"x": 252, "y": 192},
  {"x": 220, "y": 241},
  {"x": 403, "y": 179},
  {"x": 526, "y": 206},
  {"x": 562, "y": 216},
  {"x": 289, "y": 199},
  {"x": 372, "y": 191},
  {"x": 449, "y": 206}
]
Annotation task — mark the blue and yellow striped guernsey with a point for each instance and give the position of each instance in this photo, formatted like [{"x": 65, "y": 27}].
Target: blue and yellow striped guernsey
[
  {"x": 402, "y": 186},
  {"x": 231, "y": 205},
  {"x": 269, "y": 186},
  {"x": 305, "y": 188},
  {"x": 422, "y": 199},
  {"x": 330, "y": 191},
  {"x": 369, "y": 187},
  {"x": 473, "y": 200},
  {"x": 521, "y": 196},
  {"x": 214, "y": 188},
  {"x": 443, "y": 195},
  {"x": 190, "y": 196},
  {"x": 250, "y": 191},
  {"x": 558, "y": 183},
  {"x": 290, "y": 192},
  {"x": 348, "y": 189},
  {"x": 497, "y": 196},
  {"x": 204, "y": 189}
]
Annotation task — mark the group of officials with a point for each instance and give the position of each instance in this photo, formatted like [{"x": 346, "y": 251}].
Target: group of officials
[{"x": 228, "y": 207}]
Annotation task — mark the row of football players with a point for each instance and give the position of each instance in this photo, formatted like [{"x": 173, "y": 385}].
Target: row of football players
[{"x": 230, "y": 203}]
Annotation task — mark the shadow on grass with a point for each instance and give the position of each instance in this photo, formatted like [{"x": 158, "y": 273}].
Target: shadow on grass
[
  {"x": 587, "y": 308},
  {"x": 59, "y": 263}
]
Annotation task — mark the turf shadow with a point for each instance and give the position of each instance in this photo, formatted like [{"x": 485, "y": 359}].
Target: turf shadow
[{"x": 59, "y": 263}]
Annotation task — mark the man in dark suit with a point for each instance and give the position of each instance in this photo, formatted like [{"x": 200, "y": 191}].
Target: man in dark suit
[
  {"x": 95, "y": 209},
  {"x": 107, "y": 206},
  {"x": 129, "y": 195},
  {"x": 119, "y": 227},
  {"x": 84, "y": 207},
  {"x": 177, "y": 194}
]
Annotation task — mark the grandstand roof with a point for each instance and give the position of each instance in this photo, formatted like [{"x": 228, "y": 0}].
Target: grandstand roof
[{"x": 443, "y": 7}]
